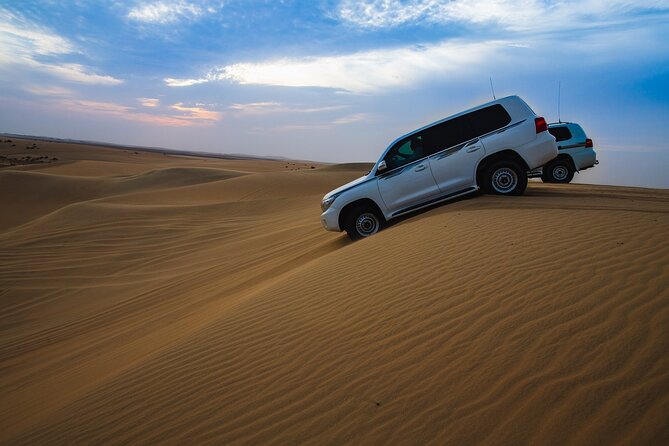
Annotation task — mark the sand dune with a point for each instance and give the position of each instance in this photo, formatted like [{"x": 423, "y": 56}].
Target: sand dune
[{"x": 150, "y": 298}]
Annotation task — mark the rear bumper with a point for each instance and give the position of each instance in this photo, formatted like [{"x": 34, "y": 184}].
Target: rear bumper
[
  {"x": 590, "y": 167},
  {"x": 583, "y": 158},
  {"x": 540, "y": 151}
]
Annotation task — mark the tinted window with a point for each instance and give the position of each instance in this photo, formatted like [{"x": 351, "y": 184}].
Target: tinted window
[
  {"x": 448, "y": 134},
  {"x": 463, "y": 128},
  {"x": 405, "y": 151},
  {"x": 560, "y": 133},
  {"x": 488, "y": 119}
]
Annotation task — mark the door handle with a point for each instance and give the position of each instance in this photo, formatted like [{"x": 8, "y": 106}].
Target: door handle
[
  {"x": 473, "y": 148},
  {"x": 419, "y": 168}
]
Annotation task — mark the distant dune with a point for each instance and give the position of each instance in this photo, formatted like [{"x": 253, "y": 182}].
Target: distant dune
[
  {"x": 347, "y": 167},
  {"x": 149, "y": 298}
]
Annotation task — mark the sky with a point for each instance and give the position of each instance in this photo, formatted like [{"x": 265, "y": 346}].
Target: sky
[{"x": 335, "y": 80}]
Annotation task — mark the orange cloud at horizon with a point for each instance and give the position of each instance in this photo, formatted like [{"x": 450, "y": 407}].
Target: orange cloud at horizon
[{"x": 193, "y": 116}]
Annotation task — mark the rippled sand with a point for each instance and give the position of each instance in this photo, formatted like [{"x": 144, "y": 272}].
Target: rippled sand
[{"x": 149, "y": 298}]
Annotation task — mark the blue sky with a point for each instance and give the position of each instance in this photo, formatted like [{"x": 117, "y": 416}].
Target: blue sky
[{"x": 334, "y": 80}]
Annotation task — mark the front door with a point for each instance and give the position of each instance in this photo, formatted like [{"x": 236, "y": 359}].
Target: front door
[{"x": 408, "y": 180}]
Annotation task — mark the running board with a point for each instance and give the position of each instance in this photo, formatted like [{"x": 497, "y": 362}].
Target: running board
[{"x": 434, "y": 201}]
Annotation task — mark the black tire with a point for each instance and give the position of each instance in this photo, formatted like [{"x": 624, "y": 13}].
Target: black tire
[
  {"x": 505, "y": 177},
  {"x": 363, "y": 221},
  {"x": 558, "y": 171}
]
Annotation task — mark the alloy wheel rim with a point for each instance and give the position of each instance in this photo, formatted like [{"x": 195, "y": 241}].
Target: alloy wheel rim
[
  {"x": 367, "y": 224},
  {"x": 559, "y": 172},
  {"x": 504, "y": 180}
]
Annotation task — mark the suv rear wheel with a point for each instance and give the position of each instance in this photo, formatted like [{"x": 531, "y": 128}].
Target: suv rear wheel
[
  {"x": 362, "y": 221},
  {"x": 558, "y": 171},
  {"x": 505, "y": 177}
]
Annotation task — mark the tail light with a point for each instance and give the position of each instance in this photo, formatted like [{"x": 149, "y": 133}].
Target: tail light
[
  {"x": 588, "y": 143},
  {"x": 540, "y": 124}
]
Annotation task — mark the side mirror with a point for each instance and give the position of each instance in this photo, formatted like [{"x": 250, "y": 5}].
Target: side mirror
[{"x": 382, "y": 166}]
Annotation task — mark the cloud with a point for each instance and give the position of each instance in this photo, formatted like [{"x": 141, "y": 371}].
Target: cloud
[
  {"x": 170, "y": 82},
  {"x": 19, "y": 37},
  {"x": 96, "y": 106},
  {"x": 358, "y": 72},
  {"x": 41, "y": 90},
  {"x": 357, "y": 117},
  {"x": 149, "y": 102},
  {"x": 196, "y": 113},
  {"x": 169, "y": 12},
  {"x": 189, "y": 116},
  {"x": 344, "y": 120},
  {"x": 257, "y": 108},
  {"x": 289, "y": 128},
  {"x": 25, "y": 44},
  {"x": 386, "y": 13},
  {"x": 78, "y": 73},
  {"x": 537, "y": 15},
  {"x": 597, "y": 25}
]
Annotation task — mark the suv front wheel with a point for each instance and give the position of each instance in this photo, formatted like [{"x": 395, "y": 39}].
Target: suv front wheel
[
  {"x": 505, "y": 177},
  {"x": 362, "y": 221}
]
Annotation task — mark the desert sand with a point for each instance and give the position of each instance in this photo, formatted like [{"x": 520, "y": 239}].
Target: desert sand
[{"x": 149, "y": 298}]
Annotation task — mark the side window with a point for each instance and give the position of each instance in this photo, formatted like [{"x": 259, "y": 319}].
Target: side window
[
  {"x": 464, "y": 128},
  {"x": 488, "y": 119},
  {"x": 560, "y": 133},
  {"x": 447, "y": 134},
  {"x": 405, "y": 151}
]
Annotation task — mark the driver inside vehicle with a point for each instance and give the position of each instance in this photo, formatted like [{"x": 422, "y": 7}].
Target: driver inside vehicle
[
  {"x": 408, "y": 151},
  {"x": 417, "y": 149}
]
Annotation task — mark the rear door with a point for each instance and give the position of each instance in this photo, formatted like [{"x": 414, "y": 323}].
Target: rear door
[
  {"x": 407, "y": 182},
  {"x": 457, "y": 146},
  {"x": 454, "y": 167}
]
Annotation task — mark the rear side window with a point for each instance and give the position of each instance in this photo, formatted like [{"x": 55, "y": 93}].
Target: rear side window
[
  {"x": 463, "y": 128},
  {"x": 489, "y": 119},
  {"x": 560, "y": 133},
  {"x": 447, "y": 134}
]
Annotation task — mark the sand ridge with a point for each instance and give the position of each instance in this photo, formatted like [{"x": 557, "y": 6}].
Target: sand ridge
[{"x": 152, "y": 298}]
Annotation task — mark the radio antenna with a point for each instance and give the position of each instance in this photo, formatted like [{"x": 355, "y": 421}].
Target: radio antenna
[
  {"x": 559, "y": 119},
  {"x": 492, "y": 89}
]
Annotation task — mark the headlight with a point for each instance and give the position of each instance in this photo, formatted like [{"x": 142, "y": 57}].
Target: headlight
[{"x": 327, "y": 202}]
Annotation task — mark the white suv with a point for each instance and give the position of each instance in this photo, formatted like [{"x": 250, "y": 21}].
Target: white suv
[
  {"x": 576, "y": 153},
  {"x": 490, "y": 147}
]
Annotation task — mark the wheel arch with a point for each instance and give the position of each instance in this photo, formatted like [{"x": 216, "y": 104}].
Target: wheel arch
[
  {"x": 343, "y": 214},
  {"x": 507, "y": 154},
  {"x": 569, "y": 158}
]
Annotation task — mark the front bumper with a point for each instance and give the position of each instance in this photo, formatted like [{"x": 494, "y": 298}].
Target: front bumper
[{"x": 330, "y": 219}]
